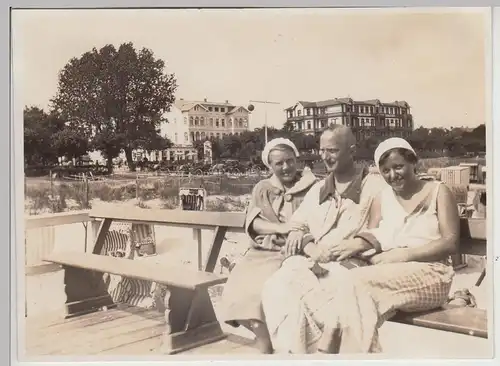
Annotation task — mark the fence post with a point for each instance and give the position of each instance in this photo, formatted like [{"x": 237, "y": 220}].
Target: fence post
[
  {"x": 137, "y": 187},
  {"x": 86, "y": 188},
  {"x": 50, "y": 180}
]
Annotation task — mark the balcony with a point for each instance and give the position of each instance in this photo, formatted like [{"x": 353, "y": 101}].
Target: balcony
[{"x": 296, "y": 118}]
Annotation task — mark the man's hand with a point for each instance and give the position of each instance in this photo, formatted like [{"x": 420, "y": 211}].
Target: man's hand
[
  {"x": 397, "y": 255},
  {"x": 293, "y": 243},
  {"x": 348, "y": 248},
  {"x": 318, "y": 254}
]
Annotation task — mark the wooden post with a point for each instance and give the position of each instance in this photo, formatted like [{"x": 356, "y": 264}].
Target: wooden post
[
  {"x": 197, "y": 237},
  {"x": 86, "y": 190},
  {"x": 137, "y": 187},
  {"x": 95, "y": 224},
  {"x": 50, "y": 180}
]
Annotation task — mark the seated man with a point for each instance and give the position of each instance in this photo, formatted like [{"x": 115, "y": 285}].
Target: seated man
[{"x": 334, "y": 209}]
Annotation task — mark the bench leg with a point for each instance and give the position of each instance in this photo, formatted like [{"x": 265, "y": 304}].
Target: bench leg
[
  {"x": 190, "y": 320},
  {"x": 85, "y": 291}
]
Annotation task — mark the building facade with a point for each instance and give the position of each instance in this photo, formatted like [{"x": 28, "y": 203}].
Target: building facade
[
  {"x": 190, "y": 121},
  {"x": 194, "y": 120},
  {"x": 366, "y": 118}
]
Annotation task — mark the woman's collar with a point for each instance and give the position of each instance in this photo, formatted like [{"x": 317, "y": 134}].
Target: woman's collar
[{"x": 305, "y": 180}]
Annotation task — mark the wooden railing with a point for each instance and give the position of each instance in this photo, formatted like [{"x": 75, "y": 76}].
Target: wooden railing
[{"x": 43, "y": 233}]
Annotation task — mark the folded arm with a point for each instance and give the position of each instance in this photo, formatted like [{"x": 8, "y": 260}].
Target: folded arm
[{"x": 263, "y": 227}]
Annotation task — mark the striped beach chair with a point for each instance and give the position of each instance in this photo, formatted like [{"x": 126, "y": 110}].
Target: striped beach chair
[{"x": 130, "y": 241}]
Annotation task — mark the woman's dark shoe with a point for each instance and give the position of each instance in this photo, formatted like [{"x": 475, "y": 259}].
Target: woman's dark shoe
[{"x": 462, "y": 298}]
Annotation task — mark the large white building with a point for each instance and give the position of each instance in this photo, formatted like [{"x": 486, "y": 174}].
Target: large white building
[
  {"x": 199, "y": 120},
  {"x": 189, "y": 121}
]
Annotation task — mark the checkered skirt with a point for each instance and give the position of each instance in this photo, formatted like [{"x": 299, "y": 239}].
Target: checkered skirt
[{"x": 298, "y": 306}]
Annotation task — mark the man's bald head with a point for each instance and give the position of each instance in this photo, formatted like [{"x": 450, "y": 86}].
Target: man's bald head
[
  {"x": 337, "y": 146},
  {"x": 342, "y": 134}
]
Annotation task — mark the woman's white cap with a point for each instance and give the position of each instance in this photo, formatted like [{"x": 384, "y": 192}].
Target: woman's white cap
[
  {"x": 389, "y": 144},
  {"x": 272, "y": 144}
]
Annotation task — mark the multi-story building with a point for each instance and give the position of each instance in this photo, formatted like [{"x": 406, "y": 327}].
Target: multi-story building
[
  {"x": 189, "y": 121},
  {"x": 193, "y": 120},
  {"x": 366, "y": 118}
]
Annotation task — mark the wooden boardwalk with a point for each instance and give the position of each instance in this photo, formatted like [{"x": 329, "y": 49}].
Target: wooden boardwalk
[{"x": 122, "y": 331}]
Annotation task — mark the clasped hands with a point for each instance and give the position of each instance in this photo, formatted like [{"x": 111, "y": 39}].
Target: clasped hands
[{"x": 343, "y": 250}]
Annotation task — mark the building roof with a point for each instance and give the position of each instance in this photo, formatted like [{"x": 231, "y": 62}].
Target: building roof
[
  {"x": 338, "y": 101},
  {"x": 186, "y": 105}
]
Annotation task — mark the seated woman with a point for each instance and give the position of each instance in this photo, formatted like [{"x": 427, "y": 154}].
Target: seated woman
[
  {"x": 401, "y": 263},
  {"x": 273, "y": 202}
]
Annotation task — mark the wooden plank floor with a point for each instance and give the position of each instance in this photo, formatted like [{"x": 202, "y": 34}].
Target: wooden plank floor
[{"x": 124, "y": 331}]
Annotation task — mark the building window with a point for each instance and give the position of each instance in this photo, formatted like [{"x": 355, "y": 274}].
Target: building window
[
  {"x": 197, "y": 135},
  {"x": 308, "y": 125},
  {"x": 240, "y": 124},
  {"x": 203, "y": 135},
  {"x": 210, "y": 109},
  {"x": 230, "y": 122},
  {"x": 308, "y": 111},
  {"x": 216, "y": 109},
  {"x": 211, "y": 122},
  {"x": 217, "y": 136},
  {"x": 223, "y": 122},
  {"x": 186, "y": 137},
  {"x": 211, "y": 134},
  {"x": 196, "y": 122},
  {"x": 202, "y": 121},
  {"x": 223, "y": 109},
  {"x": 216, "y": 122},
  {"x": 191, "y": 122},
  {"x": 299, "y": 113},
  {"x": 185, "y": 120}
]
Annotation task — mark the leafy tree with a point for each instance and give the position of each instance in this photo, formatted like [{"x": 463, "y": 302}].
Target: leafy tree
[
  {"x": 70, "y": 142},
  {"x": 39, "y": 130},
  {"x": 117, "y": 97},
  {"x": 288, "y": 126}
]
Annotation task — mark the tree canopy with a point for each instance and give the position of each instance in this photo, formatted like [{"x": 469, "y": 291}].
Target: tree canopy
[
  {"x": 116, "y": 98},
  {"x": 429, "y": 142},
  {"x": 46, "y": 137}
]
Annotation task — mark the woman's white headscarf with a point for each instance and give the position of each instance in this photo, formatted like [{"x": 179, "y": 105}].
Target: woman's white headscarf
[
  {"x": 272, "y": 144},
  {"x": 389, "y": 144}
]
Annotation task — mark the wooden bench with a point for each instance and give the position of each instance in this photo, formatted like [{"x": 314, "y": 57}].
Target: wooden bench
[
  {"x": 465, "y": 320},
  {"x": 189, "y": 315}
]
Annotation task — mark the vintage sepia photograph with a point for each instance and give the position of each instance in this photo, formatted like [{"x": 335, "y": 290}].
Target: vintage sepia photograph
[{"x": 253, "y": 183}]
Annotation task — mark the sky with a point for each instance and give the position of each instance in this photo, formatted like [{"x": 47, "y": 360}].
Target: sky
[{"x": 433, "y": 59}]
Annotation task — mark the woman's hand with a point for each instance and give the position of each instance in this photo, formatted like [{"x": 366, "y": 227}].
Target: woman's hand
[
  {"x": 288, "y": 227},
  {"x": 397, "y": 255},
  {"x": 348, "y": 248},
  {"x": 293, "y": 243}
]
